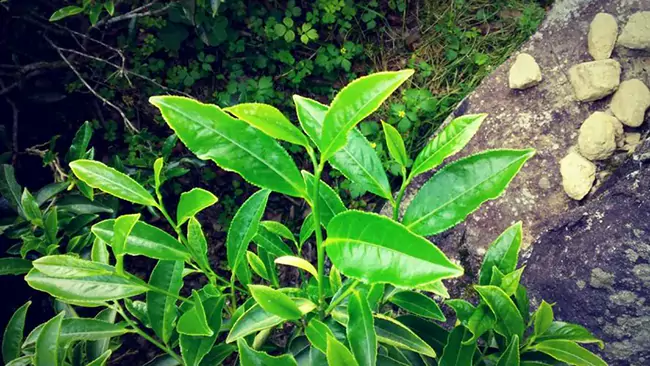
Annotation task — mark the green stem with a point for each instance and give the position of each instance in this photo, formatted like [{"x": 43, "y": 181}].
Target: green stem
[
  {"x": 400, "y": 195},
  {"x": 319, "y": 238},
  {"x": 119, "y": 263},
  {"x": 338, "y": 300},
  {"x": 261, "y": 338}
]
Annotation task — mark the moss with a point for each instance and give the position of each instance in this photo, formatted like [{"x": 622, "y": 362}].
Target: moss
[
  {"x": 601, "y": 279},
  {"x": 642, "y": 272},
  {"x": 623, "y": 298}
]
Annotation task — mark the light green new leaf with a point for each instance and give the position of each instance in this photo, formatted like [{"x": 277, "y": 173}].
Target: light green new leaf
[
  {"x": 394, "y": 333},
  {"x": 395, "y": 144},
  {"x": 335, "y": 279},
  {"x": 510, "y": 282},
  {"x": 269, "y": 120},
  {"x": 280, "y": 229},
  {"x": 569, "y": 352},
  {"x": 505, "y": 310},
  {"x": 14, "y": 266},
  {"x": 436, "y": 287},
  {"x": 361, "y": 330},
  {"x": 306, "y": 230},
  {"x": 275, "y": 302},
  {"x": 161, "y": 309},
  {"x": 146, "y": 240},
  {"x": 193, "y": 322},
  {"x": 99, "y": 252},
  {"x": 480, "y": 321},
  {"x": 510, "y": 356},
  {"x": 81, "y": 329},
  {"x": 543, "y": 318},
  {"x": 375, "y": 249},
  {"x": 457, "y": 352},
  {"x": 197, "y": 244},
  {"x": 13, "y": 334},
  {"x": 193, "y": 348},
  {"x": 157, "y": 173},
  {"x": 418, "y": 304},
  {"x": 30, "y": 208},
  {"x": 338, "y": 354},
  {"x": 68, "y": 266},
  {"x": 461, "y": 187},
  {"x": 109, "y": 180},
  {"x": 502, "y": 253},
  {"x": 310, "y": 115},
  {"x": 193, "y": 202},
  {"x": 139, "y": 310},
  {"x": 79, "y": 143},
  {"x": 317, "y": 332},
  {"x": 232, "y": 144},
  {"x": 9, "y": 188},
  {"x": 297, "y": 262},
  {"x": 251, "y": 357},
  {"x": 355, "y": 102},
  {"x": 446, "y": 143},
  {"x": 271, "y": 243},
  {"x": 65, "y": 12},
  {"x": 569, "y": 332},
  {"x": 257, "y": 265},
  {"x": 329, "y": 202},
  {"x": 47, "y": 347},
  {"x": 121, "y": 230},
  {"x": 102, "y": 359}
]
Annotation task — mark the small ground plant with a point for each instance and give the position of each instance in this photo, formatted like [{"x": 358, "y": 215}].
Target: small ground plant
[{"x": 371, "y": 306}]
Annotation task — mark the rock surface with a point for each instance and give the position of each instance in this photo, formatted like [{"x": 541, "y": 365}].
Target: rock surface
[
  {"x": 630, "y": 102},
  {"x": 597, "y": 138},
  {"x": 595, "y": 80},
  {"x": 601, "y": 39},
  {"x": 578, "y": 175},
  {"x": 636, "y": 33},
  {"x": 524, "y": 73}
]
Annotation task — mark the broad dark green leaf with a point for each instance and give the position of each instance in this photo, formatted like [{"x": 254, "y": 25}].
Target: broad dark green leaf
[
  {"x": 13, "y": 334},
  {"x": 375, "y": 249},
  {"x": 463, "y": 309},
  {"x": 271, "y": 243},
  {"x": 317, "y": 332},
  {"x": 81, "y": 329},
  {"x": 433, "y": 334},
  {"x": 543, "y": 318},
  {"x": 9, "y": 188},
  {"x": 329, "y": 202},
  {"x": 505, "y": 310},
  {"x": 280, "y": 229},
  {"x": 51, "y": 225},
  {"x": 338, "y": 354},
  {"x": 232, "y": 144},
  {"x": 361, "y": 330},
  {"x": 193, "y": 348},
  {"x": 79, "y": 143},
  {"x": 80, "y": 205},
  {"x": 193, "y": 202},
  {"x": 65, "y": 12},
  {"x": 480, "y": 321},
  {"x": 354, "y": 103},
  {"x": 94, "y": 349},
  {"x": 269, "y": 120},
  {"x": 569, "y": 352},
  {"x": 570, "y": 332},
  {"x": 21, "y": 361},
  {"x": 14, "y": 266},
  {"x": 121, "y": 230},
  {"x": 193, "y": 322},
  {"x": 251, "y": 357},
  {"x": 257, "y": 265},
  {"x": 523, "y": 304},
  {"x": 79, "y": 223},
  {"x": 510, "y": 356},
  {"x": 456, "y": 352},
  {"x": 275, "y": 302},
  {"x": 418, "y": 304},
  {"x": 461, "y": 187},
  {"x": 395, "y": 144},
  {"x": 161, "y": 309},
  {"x": 394, "y": 333},
  {"x": 47, "y": 343},
  {"x": 46, "y": 193},
  {"x": 502, "y": 253},
  {"x": 447, "y": 142},
  {"x": 30, "y": 208},
  {"x": 218, "y": 354},
  {"x": 146, "y": 240},
  {"x": 197, "y": 244},
  {"x": 109, "y": 180}
]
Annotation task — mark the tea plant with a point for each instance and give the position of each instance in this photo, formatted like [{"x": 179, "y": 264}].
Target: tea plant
[{"x": 344, "y": 316}]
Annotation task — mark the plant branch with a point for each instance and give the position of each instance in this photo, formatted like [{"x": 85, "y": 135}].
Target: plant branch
[
  {"x": 345, "y": 294},
  {"x": 135, "y": 13},
  {"x": 318, "y": 170}
]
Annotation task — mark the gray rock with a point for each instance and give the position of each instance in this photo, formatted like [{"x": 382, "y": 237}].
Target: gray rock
[
  {"x": 595, "y": 80},
  {"x": 601, "y": 39},
  {"x": 597, "y": 139},
  {"x": 630, "y": 102},
  {"x": 636, "y": 33},
  {"x": 524, "y": 73},
  {"x": 578, "y": 175}
]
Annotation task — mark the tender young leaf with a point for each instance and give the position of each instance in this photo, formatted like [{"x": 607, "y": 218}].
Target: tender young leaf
[
  {"x": 65, "y": 12},
  {"x": 232, "y": 144},
  {"x": 461, "y": 187},
  {"x": 138, "y": 309},
  {"x": 256, "y": 319},
  {"x": 193, "y": 348},
  {"x": 269, "y": 120},
  {"x": 157, "y": 173},
  {"x": 193, "y": 322},
  {"x": 392, "y": 332},
  {"x": 251, "y": 357},
  {"x": 310, "y": 115},
  {"x": 418, "y": 304},
  {"x": 14, "y": 266},
  {"x": 257, "y": 265},
  {"x": 395, "y": 144},
  {"x": 244, "y": 227},
  {"x": 121, "y": 230},
  {"x": 146, "y": 240},
  {"x": 510, "y": 282},
  {"x": 102, "y": 359},
  {"x": 569, "y": 332},
  {"x": 375, "y": 249},
  {"x": 306, "y": 230},
  {"x": 99, "y": 253},
  {"x": 505, "y": 310},
  {"x": 569, "y": 352},
  {"x": 433, "y": 334},
  {"x": 335, "y": 279},
  {"x": 9, "y": 188},
  {"x": 329, "y": 202},
  {"x": 338, "y": 354},
  {"x": 13, "y": 334},
  {"x": 30, "y": 208},
  {"x": 480, "y": 321},
  {"x": 317, "y": 332},
  {"x": 354, "y": 103},
  {"x": 193, "y": 202},
  {"x": 275, "y": 302},
  {"x": 167, "y": 276},
  {"x": 436, "y": 287},
  {"x": 271, "y": 243},
  {"x": 79, "y": 143},
  {"x": 361, "y": 330},
  {"x": 502, "y": 253},
  {"x": 447, "y": 142},
  {"x": 70, "y": 266},
  {"x": 457, "y": 352},
  {"x": 297, "y": 262},
  {"x": 47, "y": 343},
  {"x": 463, "y": 309},
  {"x": 510, "y": 356},
  {"x": 280, "y": 229},
  {"x": 543, "y": 318},
  {"x": 197, "y": 244},
  {"x": 109, "y": 180}
]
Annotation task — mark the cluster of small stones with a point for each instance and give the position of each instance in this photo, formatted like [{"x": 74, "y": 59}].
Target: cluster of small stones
[{"x": 602, "y": 133}]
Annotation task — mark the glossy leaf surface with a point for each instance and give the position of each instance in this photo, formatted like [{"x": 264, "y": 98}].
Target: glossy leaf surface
[
  {"x": 338, "y": 354},
  {"x": 569, "y": 352},
  {"x": 256, "y": 319},
  {"x": 197, "y": 244},
  {"x": 390, "y": 331},
  {"x": 47, "y": 343},
  {"x": 395, "y": 144},
  {"x": 13, "y": 334},
  {"x": 505, "y": 310},
  {"x": 480, "y": 321},
  {"x": 318, "y": 332},
  {"x": 543, "y": 318},
  {"x": 418, "y": 304},
  {"x": 329, "y": 203},
  {"x": 14, "y": 266},
  {"x": 275, "y": 302},
  {"x": 298, "y": 263},
  {"x": 269, "y": 120},
  {"x": 456, "y": 352},
  {"x": 79, "y": 142},
  {"x": 161, "y": 309},
  {"x": 571, "y": 332},
  {"x": 510, "y": 356},
  {"x": 251, "y": 357},
  {"x": 361, "y": 330},
  {"x": 193, "y": 202},
  {"x": 194, "y": 348},
  {"x": 193, "y": 322},
  {"x": 502, "y": 253}
]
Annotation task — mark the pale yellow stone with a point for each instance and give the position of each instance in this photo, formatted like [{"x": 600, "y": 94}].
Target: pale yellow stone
[
  {"x": 636, "y": 33},
  {"x": 578, "y": 175},
  {"x": 601, "y": 39},
  {"x": 524, "y": 72},
  {"x": 595, "y": 80},
  {"x": 597, "y": 138},
  {"x": 630, "y": 102}
]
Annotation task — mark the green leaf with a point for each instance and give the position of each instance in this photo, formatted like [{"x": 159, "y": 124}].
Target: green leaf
[
  {"x": 218, "y": 354},
  {"x": 463, "y": 309},
  {"x": 306, "y": 230},
  {"x": 523, "y": 304},
  {"x": 361, "y": 330},
  {"x": 121, "y": 230},
  {"x": 329, "y": 202},
  {"x": 510, "y": 282},
  {"x": 510, "y": 356},
  {"x": 392, "y": 332},
  {"x": 338, "y": 354},
  {"x": 70, "y": 266},
  {"x": 447, "y": 142},
  {"x": 269, "y": 120},
  {"x": 480, "y": 321},
  {"x": 310, "y": 115},
  {"x": 318, "y": 332},
  {"x": 138, "y": 309},
  {"x": 44, "y": 194},
  {"x": 505, "y": 310},
  {"x": 279, "y": 229},
  {"x": 257, "y": 265},
  {"x": 461, "y": 187},
  {"x": 569, "y": 352},
  {"x": 197, "y": 244},
  {"x": 79, "y": 143},
  {"x": 251, "y": 357},
  {"x": 9, "y": 188},
  {"x": 14, "y": 266},
  {"x": 157, "y": 173},
  {"x": 51, "y": 225},
  {"x": 418, "y": 304},
  {"x": 99, "y": 253},
  {"x": 193, "y": 348},
  {"x": 275, "y": 302},
  {"x": 256, "y": 319},
  {"x": 433, "y": 334},
  {"x": 193, "y": 322},
  {"x": 232, "y": 144},
  {"x": 543, "y": 318},
  {"x": 30, "y": 208},
  {"x": 244, "y": 227},
  {"x": 47, "y": 343},
  {"x": 271, "y": 243},
  {"x": 109, "y": 180},
  {"x": 102, "y": 359},
  {"x": 297, "y": 262},
  {"x": 167, "y": 276},
  {"x": 65, "y": 12},
  {"x": 355, "y": 102},
  {"x": 81, "y": 329},
  {"x": 570, "y": 332},
  {"x": 335, "y": 279},
  {"x": 375, "y": 249},
  {"x": 193, "y": 202},
  {"x": 110, "y": 7},
  {"x": 502, "y": 253},
  {"x": 94, "y": 349},
  {"x": 13, "y": 334},
  {"x": 456, "y": 352},
  {"x": 395, "y": 144},
  {"x": 435, "y": 287},
  {"x": 146, "y": 240}
]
